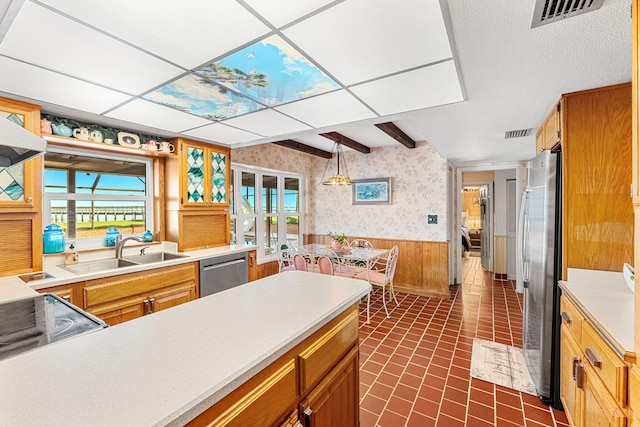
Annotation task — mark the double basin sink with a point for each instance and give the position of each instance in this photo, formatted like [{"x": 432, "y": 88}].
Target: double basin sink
[{"x": 113, "y": 263}]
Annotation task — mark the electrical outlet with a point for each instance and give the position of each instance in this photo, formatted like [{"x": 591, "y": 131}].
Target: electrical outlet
[{"x": 432, "y": 219}]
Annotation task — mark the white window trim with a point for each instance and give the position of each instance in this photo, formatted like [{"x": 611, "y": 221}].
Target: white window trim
[
  {"x": 258, "y": 214},
  {"x": 97, "y": 242}
]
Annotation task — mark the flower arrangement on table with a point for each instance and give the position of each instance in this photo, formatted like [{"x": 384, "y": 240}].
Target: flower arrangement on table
[{"x": 336, "y": 240}]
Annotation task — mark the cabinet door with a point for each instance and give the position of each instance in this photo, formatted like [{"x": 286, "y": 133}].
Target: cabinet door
[
  {"x": 600, "y": 410},
  {"x": 334, "y": 402},
  {"x": 570, "y": 368},
  {"x": 253, "y": 266},
  {"x": 552, "y": 128},
  {"x": 20, "y": 185},
  {"x": 171, "y": 297},
  {"x": 204, "y": 175},
  {"x": 121, "y": 311}
]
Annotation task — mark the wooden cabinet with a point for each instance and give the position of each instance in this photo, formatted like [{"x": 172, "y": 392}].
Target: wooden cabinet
[
  {"x": 253, "y": 265},
  {"x": 597, "y": 211},
  {"x": 21, "y": 200},
  {"x": 549, "y": 133},
  {"x": 316, "y": 381},
  {"x": 125, "y": 297},
  {"x": 335, "y": 400},
  {"x": 197, "y": 186},
  {"x": 72, "y": 292},
  {"x": 593, "y": 379}
]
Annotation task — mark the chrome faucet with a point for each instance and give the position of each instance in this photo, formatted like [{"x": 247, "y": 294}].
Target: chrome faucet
[{"x": 120, "y": 243}]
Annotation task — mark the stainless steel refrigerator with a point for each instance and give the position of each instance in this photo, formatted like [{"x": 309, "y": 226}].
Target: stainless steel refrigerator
[{"x": 540, "y": 261}]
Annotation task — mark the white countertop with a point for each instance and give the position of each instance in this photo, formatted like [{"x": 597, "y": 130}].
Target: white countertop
[
  {"x": 166, "y": 368},
  {"x": 607, "y": 302},
  {"x": 11, "y": 284}
]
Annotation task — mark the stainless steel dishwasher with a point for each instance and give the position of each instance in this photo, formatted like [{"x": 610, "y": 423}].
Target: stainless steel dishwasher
[{"x": 223, "y": 272}]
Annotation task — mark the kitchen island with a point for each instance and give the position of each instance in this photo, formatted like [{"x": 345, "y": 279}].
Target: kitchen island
[{"x": 170, "y": 367}]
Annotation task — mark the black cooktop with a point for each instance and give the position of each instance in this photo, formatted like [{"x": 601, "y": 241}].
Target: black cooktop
[{"x": 30, "y": 323}]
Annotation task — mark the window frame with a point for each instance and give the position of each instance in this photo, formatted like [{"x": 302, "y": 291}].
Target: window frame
[
  {"x": 97, "y": 242},
  {"x": 259, "y": 215}
]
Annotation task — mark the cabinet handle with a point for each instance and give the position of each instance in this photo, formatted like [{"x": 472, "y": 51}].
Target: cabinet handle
[
  {"x": 580, "y": 375},
  {"x": 566, "y": 318},
  {"x": 145, "y": 307},
  {"x": 251, "y": 260},
  {"x": 307, "y": 416},
  {"x": 29, "y": 199},
  {"x": 67, "y": 298},
  {"x": 152, "y": 303},
  {"x": 593, "y": 357},
  {"x": 574, "y": 366}
]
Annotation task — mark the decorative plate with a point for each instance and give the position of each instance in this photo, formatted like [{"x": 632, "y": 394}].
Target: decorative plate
[{"x": 128, "y": 139}]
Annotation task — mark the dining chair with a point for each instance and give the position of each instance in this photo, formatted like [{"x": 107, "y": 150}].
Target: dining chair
[
  {"x": 338, "y": 263},
  {"x": 361, "y": 243},
  {"x": 325, "y": 265},
  {"x": 299, "y": 262},
  {"x": 382, "y": 278},
  {"x": 285, "y": 259}
]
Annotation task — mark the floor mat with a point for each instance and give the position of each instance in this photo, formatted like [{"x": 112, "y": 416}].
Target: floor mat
[{"x": 501, "y": 364}]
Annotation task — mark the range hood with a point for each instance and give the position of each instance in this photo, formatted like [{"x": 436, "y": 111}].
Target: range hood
[{"x": 18, "y": 144}]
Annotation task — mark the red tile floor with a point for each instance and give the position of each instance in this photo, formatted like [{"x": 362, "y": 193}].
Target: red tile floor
[{"x": 414, "y": 366}]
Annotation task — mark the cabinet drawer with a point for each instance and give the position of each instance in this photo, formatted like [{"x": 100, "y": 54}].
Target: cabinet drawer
[
  {"x": 263, "y": 404},
  {"x": 571, "y": 318},
  {"x": 316, "y": 360},
  {"x": 110, "y": 289},
  {"x": 610, "y": 368}
]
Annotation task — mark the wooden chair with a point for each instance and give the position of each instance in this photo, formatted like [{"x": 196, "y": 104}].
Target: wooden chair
[{"x": 382, "y": 278}]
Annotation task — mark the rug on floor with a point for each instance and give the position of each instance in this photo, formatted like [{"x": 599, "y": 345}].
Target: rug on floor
[{"x": 501, "y": 364}]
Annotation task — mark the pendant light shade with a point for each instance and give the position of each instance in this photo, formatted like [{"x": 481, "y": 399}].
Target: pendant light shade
[{"x": 338, "y": 179}]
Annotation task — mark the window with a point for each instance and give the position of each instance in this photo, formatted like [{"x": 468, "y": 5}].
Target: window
[
  {"x": 87, "y": 195},
  {"x": 265, "y": 209}
]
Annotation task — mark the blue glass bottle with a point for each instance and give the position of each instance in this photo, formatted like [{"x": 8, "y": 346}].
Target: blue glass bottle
[
  {"x": 110, "y": 238},
  {"x": 53, "y": 239}
]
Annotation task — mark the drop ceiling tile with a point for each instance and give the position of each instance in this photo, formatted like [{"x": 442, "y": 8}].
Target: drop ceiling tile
[
  {"x": 328, "y": 109},
  {"x": 182, "y": 32},
  {"x": 318, "y": 141},
  {"x": 267, "y": 123},
  {"x": 369, "y": 135},
  {"x": 426, "y": 87},
  {"x": 222, "y": 134},
  {"x": 74, "y": 49},
  {"x": 157, "y": 116},
  {"x": 47, "y": 86},
  {"x": 281, "y": 12},
  {"x": 359, "y": 40}
]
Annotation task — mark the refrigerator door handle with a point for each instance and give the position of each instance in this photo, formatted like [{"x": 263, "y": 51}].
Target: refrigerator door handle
[{"x": 522, "y": 241}]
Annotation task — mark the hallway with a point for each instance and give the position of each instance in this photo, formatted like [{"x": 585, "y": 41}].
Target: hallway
[{"x": 414, "y": 367}]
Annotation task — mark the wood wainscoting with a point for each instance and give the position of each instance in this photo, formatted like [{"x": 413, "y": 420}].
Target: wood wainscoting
[{"x": 422, "y": 266}]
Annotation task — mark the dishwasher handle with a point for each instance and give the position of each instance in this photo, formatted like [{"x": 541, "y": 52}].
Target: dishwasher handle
[{"x": 224, "y": 264}]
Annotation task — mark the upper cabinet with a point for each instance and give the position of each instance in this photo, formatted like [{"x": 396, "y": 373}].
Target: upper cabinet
[
  {"x": 20, "y": 185},
  {"x": 204, "y": 174},
  {"x": 550, "y": 132},
  {"x": 597, "y": 210},
  {"x": 197, "y": 185}
]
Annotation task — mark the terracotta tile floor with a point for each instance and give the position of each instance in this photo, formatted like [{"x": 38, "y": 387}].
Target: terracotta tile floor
[{"x": 414, "y": 367}]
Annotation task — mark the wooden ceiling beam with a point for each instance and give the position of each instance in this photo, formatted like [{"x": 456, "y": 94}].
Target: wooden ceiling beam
[
  {"x": 396, "y": 133},
  {"x": 295, "y": 145},
  {"x": 347, "y": 142}
]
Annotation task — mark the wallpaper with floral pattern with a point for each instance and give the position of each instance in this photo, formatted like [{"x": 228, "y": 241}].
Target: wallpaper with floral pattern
[{"x": 419, "y": 178}]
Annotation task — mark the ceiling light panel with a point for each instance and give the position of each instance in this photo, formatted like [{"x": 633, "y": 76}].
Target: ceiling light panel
[
  {"x": 375, "y": 38},
  {"x": 188, "y": 33},
  {"x": 76, "y": 50},
  {"x": 267, "y": 123},
  {"x": 328, "y": 109},
  {"x": 43, "y": 85},
  {"x": 281, "y": 12},
  {"x": 222, "y": 134},
  {"x": 156, "y": 116},
  {"x": 423, "y": 88}
]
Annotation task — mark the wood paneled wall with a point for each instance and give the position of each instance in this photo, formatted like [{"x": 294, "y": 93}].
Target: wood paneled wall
[{"x": 422, "y": 266}]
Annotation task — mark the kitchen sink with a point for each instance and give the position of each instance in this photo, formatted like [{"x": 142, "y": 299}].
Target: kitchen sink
[
  {"x": 99, "y": 265},
  {"x": 153, "y": 257}
]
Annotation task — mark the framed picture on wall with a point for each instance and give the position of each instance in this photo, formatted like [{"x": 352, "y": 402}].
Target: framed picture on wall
[{"x": 374, "y": 191}]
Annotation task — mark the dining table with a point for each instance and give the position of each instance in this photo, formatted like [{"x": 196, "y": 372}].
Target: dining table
[{"x": 364, "y": 257}]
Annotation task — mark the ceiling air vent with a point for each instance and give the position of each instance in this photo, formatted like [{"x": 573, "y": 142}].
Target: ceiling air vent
[
  {"x": 517, "y": 133},
  {"x": 548, "y": 11}
]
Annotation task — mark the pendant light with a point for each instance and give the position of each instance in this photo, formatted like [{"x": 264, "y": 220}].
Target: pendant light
[{"x": 337, "y": 179}]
